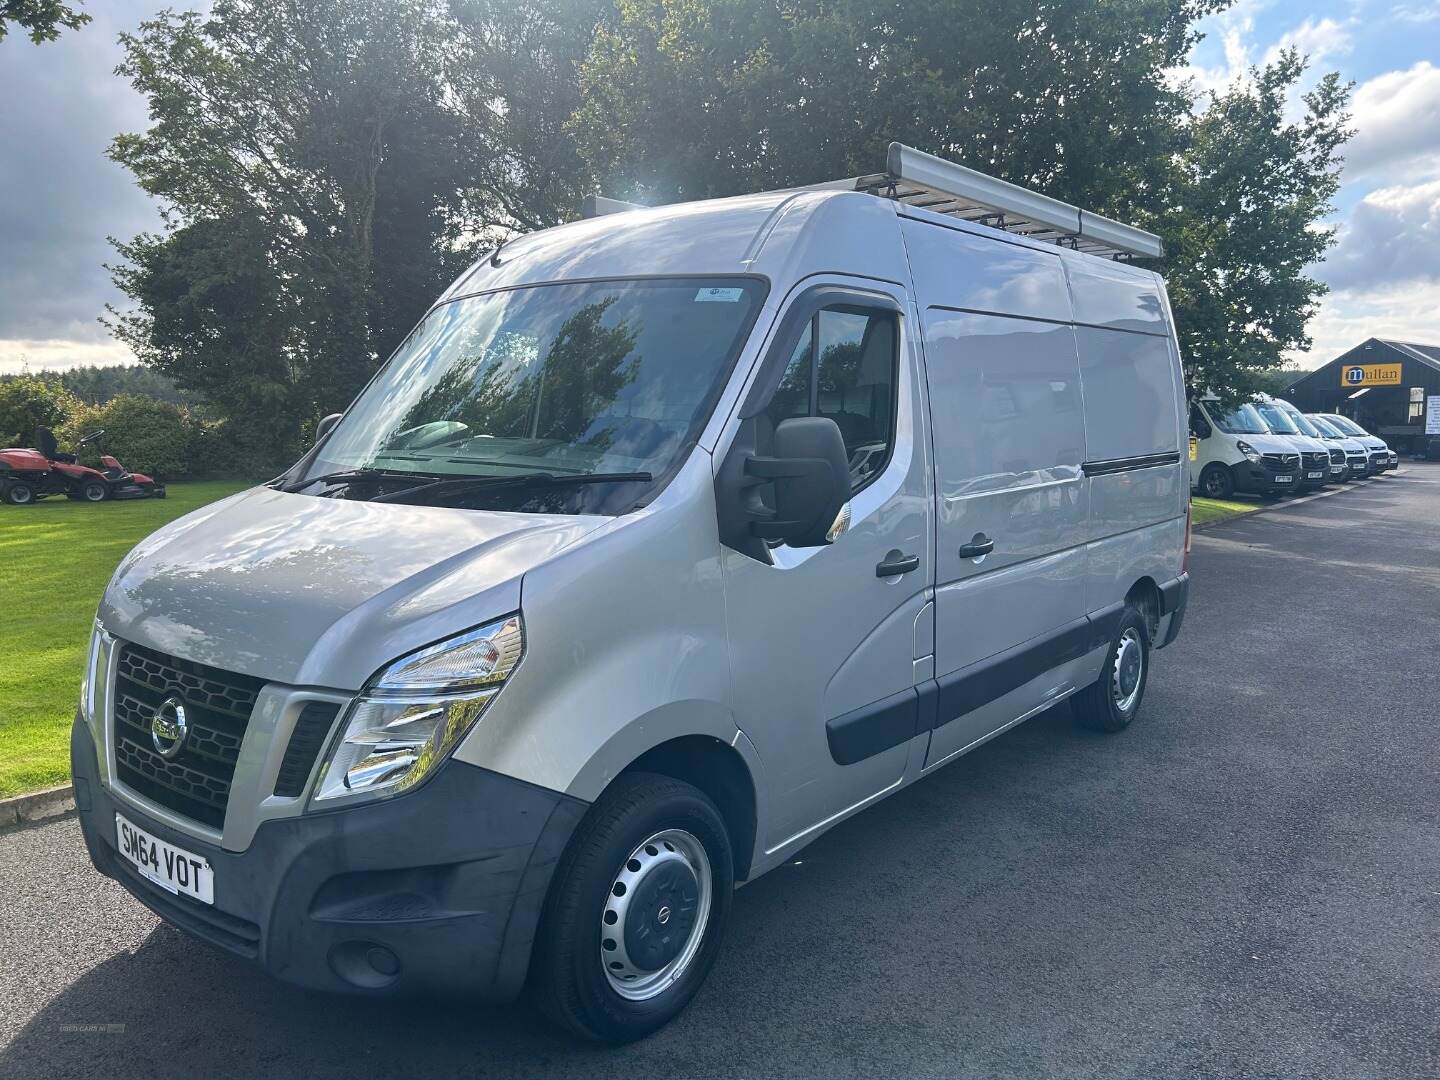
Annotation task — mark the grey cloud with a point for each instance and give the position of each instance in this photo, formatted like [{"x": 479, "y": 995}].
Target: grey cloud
[
  {"x": 1392, "y": 238},
  {"x": 59, "y": 196}
]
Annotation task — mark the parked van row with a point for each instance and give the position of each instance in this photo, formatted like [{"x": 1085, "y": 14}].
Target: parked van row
[
  {"x": 1269, "y": 447},
  {"x": 666, "y": 541}
]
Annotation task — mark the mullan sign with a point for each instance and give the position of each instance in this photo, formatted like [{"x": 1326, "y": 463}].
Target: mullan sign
[{"x": 1371, "y": 375}]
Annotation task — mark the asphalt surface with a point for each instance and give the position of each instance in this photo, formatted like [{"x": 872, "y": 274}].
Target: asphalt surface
[{"x": 1244, "y": 884}]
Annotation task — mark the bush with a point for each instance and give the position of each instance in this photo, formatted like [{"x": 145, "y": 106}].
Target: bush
[
  {"x": 146, "y": 435},
  {"x": 27, "y": 403}
]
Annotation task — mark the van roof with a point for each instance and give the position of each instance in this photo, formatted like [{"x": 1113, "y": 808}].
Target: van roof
[{"x": 924, "y": 181}]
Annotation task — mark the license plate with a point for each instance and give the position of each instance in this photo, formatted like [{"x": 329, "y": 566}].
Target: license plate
[
  {"x": 1315, "y": 476},
  {"x": 173, "y": 869},
  {"x": 1283, "y": 479}
]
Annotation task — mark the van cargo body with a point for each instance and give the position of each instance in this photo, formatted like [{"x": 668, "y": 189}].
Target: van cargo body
[{"x": 668, "y": 540}]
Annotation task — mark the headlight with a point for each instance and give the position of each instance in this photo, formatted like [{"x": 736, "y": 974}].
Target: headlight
[
  {"x": 1249, "y": 451},
  {"x": 415, "y": 712},
  {"x": 94, "y": 675}
]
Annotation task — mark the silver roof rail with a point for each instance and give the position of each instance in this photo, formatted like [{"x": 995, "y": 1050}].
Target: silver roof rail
[{"x": 925, "y": 181}]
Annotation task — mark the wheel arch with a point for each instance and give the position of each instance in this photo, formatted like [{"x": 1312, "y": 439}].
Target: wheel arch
[{"x": 1145, "y": 595}]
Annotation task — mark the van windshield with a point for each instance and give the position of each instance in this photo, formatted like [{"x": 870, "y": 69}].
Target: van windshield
[
  {"x": 1276, "y": 419},
  {"x": 1300, "y": 419},
  {"x": 1243, "y": 421},
  {"x": 1346, "y": 425},
  {"x": 1327, "y": 430},
  {"x": 576, "y": 398}
]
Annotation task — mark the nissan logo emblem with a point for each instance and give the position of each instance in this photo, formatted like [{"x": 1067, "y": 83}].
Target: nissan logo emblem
[{"x": 168, "y": 727}]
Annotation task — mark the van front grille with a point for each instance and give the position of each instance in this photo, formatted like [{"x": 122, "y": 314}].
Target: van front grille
[
  {"x": 1337, "y": 456},
  {"x": 194, "y": 782},
  {"x": 1281, "y": 462}
]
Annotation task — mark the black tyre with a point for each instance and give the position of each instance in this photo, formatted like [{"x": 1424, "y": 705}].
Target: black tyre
[
  {"x": 635, "y": 915},
  {"x": 1111, "y": 701},
  {"x": 1216, "y": 482},
  {"x": 94, "y": 491},
  {"x": 20, "y": 493}
]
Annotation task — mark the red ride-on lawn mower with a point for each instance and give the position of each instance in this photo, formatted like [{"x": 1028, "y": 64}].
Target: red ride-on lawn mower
[{"x": 27, "y": 475}]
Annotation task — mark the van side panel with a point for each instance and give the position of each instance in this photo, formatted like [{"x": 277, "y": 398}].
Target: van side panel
[
  {"x": 1008, "y": 428},
  {"x": 955, "y": 269}
]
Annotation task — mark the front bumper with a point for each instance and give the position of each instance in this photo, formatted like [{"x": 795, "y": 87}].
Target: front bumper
[
  {"x": 439, "y": 889},
  {"x": 1258, "y": 480}
]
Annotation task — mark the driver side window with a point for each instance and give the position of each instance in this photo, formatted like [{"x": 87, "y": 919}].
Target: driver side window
[{"x": 844, "y": 368}]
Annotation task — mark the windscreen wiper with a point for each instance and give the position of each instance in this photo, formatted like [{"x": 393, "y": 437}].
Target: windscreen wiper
[
  {"x": 356, "y": 476},
  {"x": 522, "y": 480}
]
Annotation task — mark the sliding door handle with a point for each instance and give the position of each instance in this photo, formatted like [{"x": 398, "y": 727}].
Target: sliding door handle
[
  {"x": 896, "y": 563},
  {"x": 979, "y": 545}
]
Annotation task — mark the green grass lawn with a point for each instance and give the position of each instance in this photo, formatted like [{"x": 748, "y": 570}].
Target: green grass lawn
[
  {"x": 55, "y": 558},
  {"x": 1204, "y": 511}
]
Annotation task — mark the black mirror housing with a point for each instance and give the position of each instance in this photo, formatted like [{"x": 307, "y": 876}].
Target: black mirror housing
[
  {"x": 326, "y": 425},
  {"x": 793, "y": 495}
]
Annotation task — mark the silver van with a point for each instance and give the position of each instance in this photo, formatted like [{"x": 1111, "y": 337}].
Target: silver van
[{"x": 668, "y": 540}]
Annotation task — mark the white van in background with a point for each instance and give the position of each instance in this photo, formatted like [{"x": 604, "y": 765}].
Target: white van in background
[
  {"x": 1357, "y": 454},
  {"x": 1314, "y": 454},
  {"x": 1379, "y": 457},
  {"x": 1339, "y": 467},
  {"x": 1237, "y": 452}
]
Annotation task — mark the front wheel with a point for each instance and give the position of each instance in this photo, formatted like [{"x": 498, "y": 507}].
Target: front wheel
[
  {"x": 1216, "y": 482},
  {"x": 93, "y": 491},
  {"x": 1111, "y": 702},
  {"x": 635, "y": 914},
  {"x": 20, "y": 493}
]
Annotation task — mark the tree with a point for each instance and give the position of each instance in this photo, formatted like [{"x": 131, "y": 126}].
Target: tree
[
  {"x": 697, "y": 98},
  {"x": 41, "y": 19},
  {"x": 310, "y": 169},
  {"x": 516, "y": 79},
  {"x": 1241, "y": 219}
]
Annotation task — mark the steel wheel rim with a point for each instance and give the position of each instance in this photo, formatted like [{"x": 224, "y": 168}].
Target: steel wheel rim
[
  {"x": 670, "y": 852},
  {"x": 1127, "y": 673},
  {"x": 1214, "y": 486},
  {"x": 99, "y": 495},
  {"x": 21, "y": 495}
]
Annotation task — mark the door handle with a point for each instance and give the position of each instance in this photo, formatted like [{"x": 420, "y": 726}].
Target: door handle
[
  {"x": 896, "y": 563},
  {"x": 979, "y": 545}
]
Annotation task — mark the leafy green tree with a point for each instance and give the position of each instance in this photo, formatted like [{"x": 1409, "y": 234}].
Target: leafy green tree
[
  {"x": 28, "y": 402},
  {"x": 696, "y": 98},
  {"x": 310, "y": 169},
  {"x": 515, "y": 75},
  {"x": 1241, "y": 219},
  {"x": 41, "y": 19}
]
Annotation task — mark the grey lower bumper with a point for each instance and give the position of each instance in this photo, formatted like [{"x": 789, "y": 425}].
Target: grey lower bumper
[{"x": 439, "y": 889}]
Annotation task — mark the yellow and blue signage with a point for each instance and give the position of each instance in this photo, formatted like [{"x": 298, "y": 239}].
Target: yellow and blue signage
[{"x": 1370, "y": 375}]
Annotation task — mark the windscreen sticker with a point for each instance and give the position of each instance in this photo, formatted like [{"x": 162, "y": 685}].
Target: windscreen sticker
[{"x": 722, "y": 296}]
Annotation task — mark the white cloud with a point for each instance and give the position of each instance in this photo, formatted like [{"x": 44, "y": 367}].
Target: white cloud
[
  {"x": 1409, "y": 312},
  {"x": 1416, "y": 13},
  {"x": 1397, "y": 124},
  {"x": 58, "y": 354},
  {"x": 1318, "y": 39}
]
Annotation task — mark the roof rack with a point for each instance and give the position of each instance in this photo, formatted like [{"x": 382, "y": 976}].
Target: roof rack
[
  {"x": 923, "y": 180},
  {"x": 930, "y": 183}
]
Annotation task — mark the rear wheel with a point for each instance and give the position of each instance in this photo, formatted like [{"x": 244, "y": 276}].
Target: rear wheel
[
  {"x": 1111, "y": 702},
  {"x": 634, "y": 917},
  {"x": 1216, "y": 482},
  {"x": 20, "y": 493}
]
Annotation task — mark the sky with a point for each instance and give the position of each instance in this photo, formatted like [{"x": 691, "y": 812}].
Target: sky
[{"x": 60, "y": 197}]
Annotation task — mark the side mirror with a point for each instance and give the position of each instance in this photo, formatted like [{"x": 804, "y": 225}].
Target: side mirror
[
  {"x": 794, "y": 495},
  {"x": 327, "y": 424}
]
